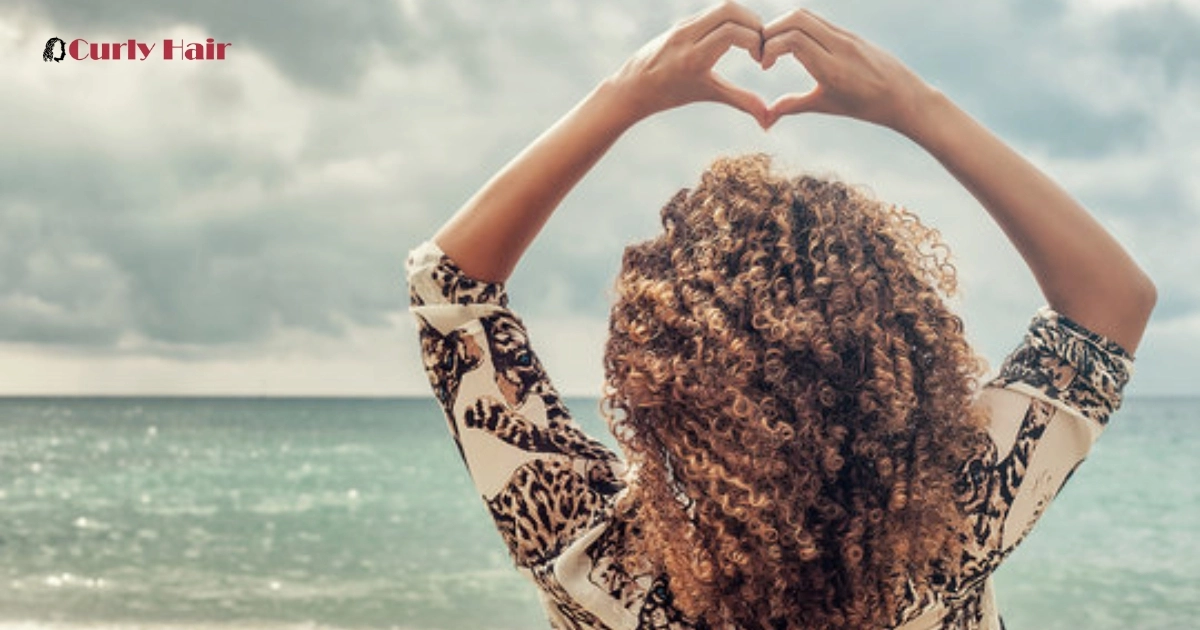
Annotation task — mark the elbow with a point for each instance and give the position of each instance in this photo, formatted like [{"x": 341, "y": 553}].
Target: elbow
[
  {"x": 1144, "y": 295},
  {"x": 1132, "y": 309},
  {"x": 1140, "y": 299},
  {"x": 1116, "y": 305}
]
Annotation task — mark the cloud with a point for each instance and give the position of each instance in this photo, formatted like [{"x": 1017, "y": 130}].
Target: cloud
[
  {"x": 1159, "y": 38},
  {"x": 167, "y": 215},
  {"x": 288, "y": 362},
  {"x": 327, "y": 46},
  {"x": 1029, "y": 73}
]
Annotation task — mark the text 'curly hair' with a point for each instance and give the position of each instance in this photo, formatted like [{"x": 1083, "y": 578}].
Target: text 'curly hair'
[{"x": 795, "y": 396}]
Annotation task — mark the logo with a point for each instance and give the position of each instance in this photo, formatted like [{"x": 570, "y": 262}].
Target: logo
[
  {"x": 48, "y": 54},
  {"x": 133, "y": 50}
]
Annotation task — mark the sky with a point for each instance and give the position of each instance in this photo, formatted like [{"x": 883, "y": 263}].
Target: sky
[{"x": 239, "y": 226}]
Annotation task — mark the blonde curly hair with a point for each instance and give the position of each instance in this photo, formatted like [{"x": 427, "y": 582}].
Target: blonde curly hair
[{"x": 785, "y": 377}]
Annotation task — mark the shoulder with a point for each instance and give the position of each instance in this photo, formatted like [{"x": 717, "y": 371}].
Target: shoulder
[{"x": 1051, "y": 400}]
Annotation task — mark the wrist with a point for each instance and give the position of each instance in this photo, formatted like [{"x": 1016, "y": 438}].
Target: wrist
[
  {"x": 927, "y": 114},
  {"x": 621, "y": 101}
]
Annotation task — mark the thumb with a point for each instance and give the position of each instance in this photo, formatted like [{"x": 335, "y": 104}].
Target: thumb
[
  {"x": 811, "y": 101},
  {"x": 725, "y": 92}
]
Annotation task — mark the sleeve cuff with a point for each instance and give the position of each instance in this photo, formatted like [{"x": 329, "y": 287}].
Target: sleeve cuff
[
  {"x": 433, "y": 278},
  {"x": 1071, "y": 364}
]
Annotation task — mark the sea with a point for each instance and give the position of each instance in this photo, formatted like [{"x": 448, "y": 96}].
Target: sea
[{"x": 213, "y": 514}]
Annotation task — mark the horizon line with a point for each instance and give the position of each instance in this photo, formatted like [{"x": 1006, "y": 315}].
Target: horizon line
[{"x": 234, "y": 396}]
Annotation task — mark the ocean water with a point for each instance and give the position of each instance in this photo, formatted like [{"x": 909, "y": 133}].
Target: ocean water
[{"x": 245, "y": 513}]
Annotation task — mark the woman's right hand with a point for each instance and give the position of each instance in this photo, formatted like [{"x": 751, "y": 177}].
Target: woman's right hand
[
  {"x": 1082, "y": 270},
  {"x": 854, "y": 77}
]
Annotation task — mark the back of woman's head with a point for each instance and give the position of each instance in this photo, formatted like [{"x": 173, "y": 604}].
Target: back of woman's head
[{"x": 795, "y": 396}]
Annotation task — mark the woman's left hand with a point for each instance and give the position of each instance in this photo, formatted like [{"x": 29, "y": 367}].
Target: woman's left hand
[
  {"x": 676, "y": 68},
  {"x": 494, "y": 227}
]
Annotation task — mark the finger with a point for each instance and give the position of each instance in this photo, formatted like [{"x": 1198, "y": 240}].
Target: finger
[
  {"x": 804, "y": 20},
  {"x": 719, "y": 40},
  {"x": 833, "y": 27},
  {"x": 771, "y": 119},
  {"x": 714, "y": 18},
  {"x": 796, "y": 42},
  {"x": 811, "y": 101},
  {"x": 723, "y": 91}
]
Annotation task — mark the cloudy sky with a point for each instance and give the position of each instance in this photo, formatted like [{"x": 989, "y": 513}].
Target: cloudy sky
[{"x": 239, "y": 226}]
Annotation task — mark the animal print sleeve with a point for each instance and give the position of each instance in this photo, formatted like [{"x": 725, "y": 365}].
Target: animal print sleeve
[
  {"x": 1069, "y": 366},
  {"x": 1050, "y": 402},
  {"x": 543, "y": 480}
]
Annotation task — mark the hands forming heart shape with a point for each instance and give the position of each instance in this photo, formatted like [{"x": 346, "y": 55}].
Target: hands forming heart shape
[{"x": 854, "y": 77}]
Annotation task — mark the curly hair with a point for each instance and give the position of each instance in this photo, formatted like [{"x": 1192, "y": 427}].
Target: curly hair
[{"x": 787, "y": 381}]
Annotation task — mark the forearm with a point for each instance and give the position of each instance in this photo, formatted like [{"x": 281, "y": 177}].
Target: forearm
[
  {"x": 492, "y": 230},
  {"x": 488, "y": 235},
  {"x": 1082, "y": 270}
]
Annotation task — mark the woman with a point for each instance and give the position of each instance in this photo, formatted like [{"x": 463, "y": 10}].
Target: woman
[{"x": 806, "y": 442}]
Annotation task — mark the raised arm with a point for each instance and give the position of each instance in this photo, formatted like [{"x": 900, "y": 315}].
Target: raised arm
[
  {"x": 1083, "y": 272},
  {"x": 492, "y": 230}
]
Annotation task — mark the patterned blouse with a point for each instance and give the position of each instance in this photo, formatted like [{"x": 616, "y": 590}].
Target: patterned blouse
[{"x": 550, "y": 488}]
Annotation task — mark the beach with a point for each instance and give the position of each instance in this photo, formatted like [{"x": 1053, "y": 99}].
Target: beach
[{"x": 199, "y": 514}]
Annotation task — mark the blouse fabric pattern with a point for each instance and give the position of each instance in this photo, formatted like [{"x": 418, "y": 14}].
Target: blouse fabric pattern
[{"x": 551, "y": 488}]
